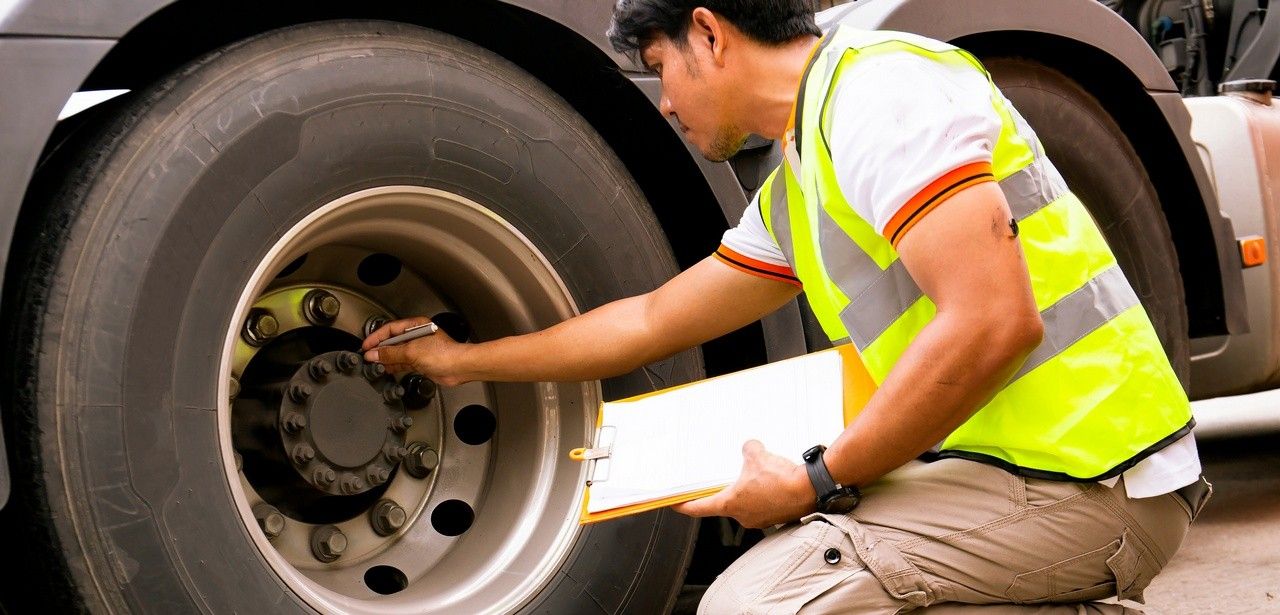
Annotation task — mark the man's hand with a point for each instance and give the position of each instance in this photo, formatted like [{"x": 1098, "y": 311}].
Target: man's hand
[
  {"x": 435, "y": 356},
  {"x": 769, "y": 491}
]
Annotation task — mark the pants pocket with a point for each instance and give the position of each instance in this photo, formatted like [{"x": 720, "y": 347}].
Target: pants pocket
[
  {"x": 783, "y": 572},
  {"x": 1131, "y": 570},
  {"x": 898, "y": 577},
  {"x": 1083, "y": 577}
]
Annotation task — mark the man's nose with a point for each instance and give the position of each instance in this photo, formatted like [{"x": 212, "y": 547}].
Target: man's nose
[{"x": 664, "y": 105}]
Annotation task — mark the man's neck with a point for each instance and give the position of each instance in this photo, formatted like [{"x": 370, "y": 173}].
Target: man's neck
[{"x": 773, "y": 84}]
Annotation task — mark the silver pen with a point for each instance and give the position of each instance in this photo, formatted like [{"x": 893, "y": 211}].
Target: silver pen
[{"x": 412, "y": 333}]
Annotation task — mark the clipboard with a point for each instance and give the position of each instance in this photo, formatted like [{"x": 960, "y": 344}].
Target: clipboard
[{"x": 856, "y": 386}]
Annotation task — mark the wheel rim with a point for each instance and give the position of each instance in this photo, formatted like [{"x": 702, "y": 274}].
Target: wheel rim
[{"x": 503, "y": 496}]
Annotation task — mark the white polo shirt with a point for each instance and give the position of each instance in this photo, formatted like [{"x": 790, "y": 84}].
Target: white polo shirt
[{"x": 907, "y": 134}]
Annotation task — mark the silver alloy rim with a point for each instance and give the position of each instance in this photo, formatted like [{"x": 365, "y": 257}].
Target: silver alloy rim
[{"x": 456, "y": 256}]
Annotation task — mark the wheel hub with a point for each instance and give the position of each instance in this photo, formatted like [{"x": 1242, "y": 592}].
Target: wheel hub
[
  {"x": 395, "y": 498},
  {"x": 342, "y": 423}
]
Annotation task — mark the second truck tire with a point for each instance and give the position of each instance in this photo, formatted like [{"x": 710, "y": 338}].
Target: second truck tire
[{"x": 1102, "y": 168}]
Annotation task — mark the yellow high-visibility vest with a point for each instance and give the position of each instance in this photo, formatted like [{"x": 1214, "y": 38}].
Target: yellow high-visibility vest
[{"x": 1096, "y": 397}]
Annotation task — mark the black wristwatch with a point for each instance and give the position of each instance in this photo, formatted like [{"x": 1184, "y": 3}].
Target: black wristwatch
[{"x": 832, "y": 496}]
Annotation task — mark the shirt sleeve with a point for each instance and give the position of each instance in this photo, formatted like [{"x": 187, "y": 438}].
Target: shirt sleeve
[
  {"x": 750, "y": 248},
  {"x": 906, "y": 134}
]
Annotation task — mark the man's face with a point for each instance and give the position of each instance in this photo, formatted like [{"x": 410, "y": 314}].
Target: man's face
[{"x": 697, "y": 92}]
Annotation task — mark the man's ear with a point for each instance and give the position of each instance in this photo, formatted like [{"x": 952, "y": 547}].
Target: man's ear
[{"x": 708, "y": 32}]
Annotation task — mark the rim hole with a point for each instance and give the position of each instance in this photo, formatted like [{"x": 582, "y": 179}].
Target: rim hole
[
  {"x": 385, "y": 580},
  {"x": 379, "y": 269},
  {"x": 454, "y": 324},
  {"x": 475, "y": 424},
  {"x": 292, "y": 267},
  {"x": 452, "y": 517}
]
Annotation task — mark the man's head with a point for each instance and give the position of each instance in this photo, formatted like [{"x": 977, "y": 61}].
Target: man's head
[{"x": 703, "y": 50}]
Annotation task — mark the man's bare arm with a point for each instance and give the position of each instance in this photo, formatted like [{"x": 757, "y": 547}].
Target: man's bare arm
[
  {"x": 708, "y": 300},
  {"x": 966, "y": 259}
]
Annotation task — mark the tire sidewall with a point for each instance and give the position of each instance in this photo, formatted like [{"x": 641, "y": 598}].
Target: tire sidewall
[{"x": 204, "y": 176}]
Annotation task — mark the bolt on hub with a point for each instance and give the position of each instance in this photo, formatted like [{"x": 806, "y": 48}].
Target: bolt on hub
[
  {"x": 387, "y": 517},
  {"x": 259, "y": 327},
  {"x": 269, "y": 520},
  {"x": 328, "y": 543},
  {"x": 421, "y": 460},
  {"x": 321, "y": 307}
]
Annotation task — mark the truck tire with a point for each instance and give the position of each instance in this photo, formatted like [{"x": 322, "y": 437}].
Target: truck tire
[
  {"x": 1102, "y": 168},
  {"x": 326, "y": 175}
]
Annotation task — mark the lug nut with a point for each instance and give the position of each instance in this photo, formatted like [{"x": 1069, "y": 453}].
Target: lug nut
[
  {"x": 294, "y": 422},
  {"x": 418, "y": 391},
  {"x": 324, "y": 477},
  {"x": 303, "y": 453},
  {"x": 260, "y": 327},
  {"x": 347, "y": 361},
  {"x": 321, "y": 307},
  {"x": 373, "y": 324},
  {"x": 377, "y": 476},
  {"x": 319, "y": 369},
  {"x": 374, "y": 371},
  {"x": 394, "y": 453},
  {"x": 269, "y": 519},
  {"x": 421, "y": 460},
  {"x": 299, "y": 392},
  {"x": 233, "y": 388},
  {"x": 352, "y": 484},
  {"x": 328, "y": 543},
  {"x": 387, "y": 517},
  {"x": 392, "y": 394}
]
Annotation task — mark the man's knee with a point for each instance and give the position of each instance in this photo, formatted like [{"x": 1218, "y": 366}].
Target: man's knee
[{"x": 806, "y": 568}]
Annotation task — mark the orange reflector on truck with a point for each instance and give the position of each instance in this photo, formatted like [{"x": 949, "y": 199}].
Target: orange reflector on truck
[{"x": 1253, "y": 251}]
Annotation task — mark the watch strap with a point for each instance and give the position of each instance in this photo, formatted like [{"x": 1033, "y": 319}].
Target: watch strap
[{"x": 819, "y": 477}]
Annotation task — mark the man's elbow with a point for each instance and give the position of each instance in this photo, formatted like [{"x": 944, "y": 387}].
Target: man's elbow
[{"x": 1022, "y": 334}]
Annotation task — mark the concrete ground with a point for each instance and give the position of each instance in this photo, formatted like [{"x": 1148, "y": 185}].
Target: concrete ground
[{"x": 1230, "y": 562}]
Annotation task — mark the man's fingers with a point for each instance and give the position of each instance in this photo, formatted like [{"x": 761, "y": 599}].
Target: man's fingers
[
  {"x": 391, "y": 329},
  {"x": 704, "y": 507},
  {"x": 388, "y": 355},
  {"x": 752, "y": 448}
]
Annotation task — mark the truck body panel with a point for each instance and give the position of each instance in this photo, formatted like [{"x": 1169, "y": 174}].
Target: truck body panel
[{"x": 1239, "y": 139}]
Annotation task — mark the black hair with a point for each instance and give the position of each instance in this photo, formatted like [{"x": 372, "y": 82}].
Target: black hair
[{"x": 636, "y": 23}]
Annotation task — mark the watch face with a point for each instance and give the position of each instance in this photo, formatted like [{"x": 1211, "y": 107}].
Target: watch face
[{"x": 840, "y": 503}]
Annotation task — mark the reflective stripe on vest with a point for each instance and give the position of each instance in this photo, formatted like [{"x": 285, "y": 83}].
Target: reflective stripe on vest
[{"x": 1094, "y": 398}]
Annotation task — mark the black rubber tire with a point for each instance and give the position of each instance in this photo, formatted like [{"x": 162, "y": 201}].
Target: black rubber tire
[
  {"x": 130, "y": 259},
  {"x": 1102, "y": 168}
]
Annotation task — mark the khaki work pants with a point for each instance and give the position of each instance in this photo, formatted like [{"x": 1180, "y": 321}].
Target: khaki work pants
[{"x": 960, "y": 537}]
